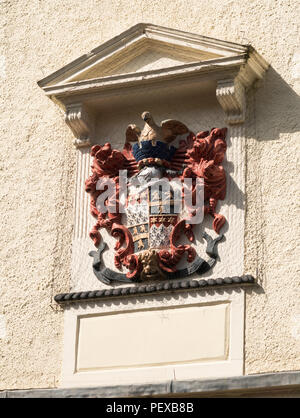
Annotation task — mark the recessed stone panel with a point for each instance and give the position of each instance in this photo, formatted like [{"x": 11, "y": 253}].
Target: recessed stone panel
[
  {"x": 144, "y": 339},
  {"x": 153, "y": 337}
]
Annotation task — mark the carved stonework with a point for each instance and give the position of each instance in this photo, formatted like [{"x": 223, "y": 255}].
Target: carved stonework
[
  {"x": 80, "y": 122},
  {"x": 231, "y": 96},
  {"x": 150, "y": 228},
  {"x": 124, "y": 63},
  {"x": 146, "y": 250},
  {"x": 148, "y": 62}
]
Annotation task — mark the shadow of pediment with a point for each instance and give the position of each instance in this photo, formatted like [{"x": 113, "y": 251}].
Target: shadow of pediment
[{"x": 277, "y": 107}]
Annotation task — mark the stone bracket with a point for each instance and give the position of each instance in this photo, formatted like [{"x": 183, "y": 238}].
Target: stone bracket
[
  {"x": 81, "y": 123},
  {"x": 231, "y": 96}
]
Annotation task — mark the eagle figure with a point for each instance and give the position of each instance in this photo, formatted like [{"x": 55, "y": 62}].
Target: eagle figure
[{"x": 166, "y": 132}]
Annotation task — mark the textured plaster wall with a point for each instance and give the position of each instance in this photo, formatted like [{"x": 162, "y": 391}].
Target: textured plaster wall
[{"x": 37, "y": 170}]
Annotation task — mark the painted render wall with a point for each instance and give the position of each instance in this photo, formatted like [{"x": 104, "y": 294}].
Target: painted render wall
[{"x": 38, "y": 159}]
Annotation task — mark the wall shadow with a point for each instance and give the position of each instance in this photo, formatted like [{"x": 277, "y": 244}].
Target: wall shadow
[{"x": 277, "y": 107}]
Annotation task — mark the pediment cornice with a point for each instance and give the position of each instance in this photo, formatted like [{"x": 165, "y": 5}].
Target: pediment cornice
[
  {"x": 150, "y": 55},
  {"x": 137, "y": 39}
]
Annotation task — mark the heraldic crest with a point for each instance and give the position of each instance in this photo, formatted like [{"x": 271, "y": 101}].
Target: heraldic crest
[{"x": 150, "y": 219}]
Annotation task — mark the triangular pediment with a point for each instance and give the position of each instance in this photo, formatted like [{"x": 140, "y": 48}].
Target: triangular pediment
[
  {"x": 145, "y": 55},
  {"x": 160, "y": 59},
  {"x": 144, "y": 48}
]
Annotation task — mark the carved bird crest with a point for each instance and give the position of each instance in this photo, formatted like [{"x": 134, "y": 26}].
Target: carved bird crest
[{"x": 166, "y": 132}]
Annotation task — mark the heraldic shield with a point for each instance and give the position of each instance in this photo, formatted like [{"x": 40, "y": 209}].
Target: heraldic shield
[{"x": 139, "y": 195}]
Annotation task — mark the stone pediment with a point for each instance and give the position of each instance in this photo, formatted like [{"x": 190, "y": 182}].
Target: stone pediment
[
  {"x": 144, "y": 48},
  {"x": 143, "y": 55},
  {"x": 149, "y": 56}
]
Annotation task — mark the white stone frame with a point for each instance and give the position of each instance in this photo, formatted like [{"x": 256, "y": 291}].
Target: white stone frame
[{"x": 231, "y": 72}]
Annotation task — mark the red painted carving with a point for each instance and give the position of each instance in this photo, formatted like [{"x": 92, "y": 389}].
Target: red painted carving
[
  {"x": 169, "y": 259},
  {"x": 106, "y": 164},
  {"x": 205, "y": 154},
  {"x": 198, "y": 156}
]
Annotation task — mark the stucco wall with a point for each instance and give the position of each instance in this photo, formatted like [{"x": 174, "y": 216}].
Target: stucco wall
[{"x": 37, "y": 170}]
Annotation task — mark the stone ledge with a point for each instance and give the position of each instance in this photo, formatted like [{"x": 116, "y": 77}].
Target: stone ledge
[
  {"x": 63, "y": 298},
  {"x": 259, "y": 383}
]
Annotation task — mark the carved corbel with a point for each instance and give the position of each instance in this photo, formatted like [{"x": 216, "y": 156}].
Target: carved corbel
[
  {"x": 231, "y": 96},
  {"x": 81, "y": 124}
]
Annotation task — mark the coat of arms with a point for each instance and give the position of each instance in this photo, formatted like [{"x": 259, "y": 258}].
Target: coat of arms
[{"x": 145, "y": 197}]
